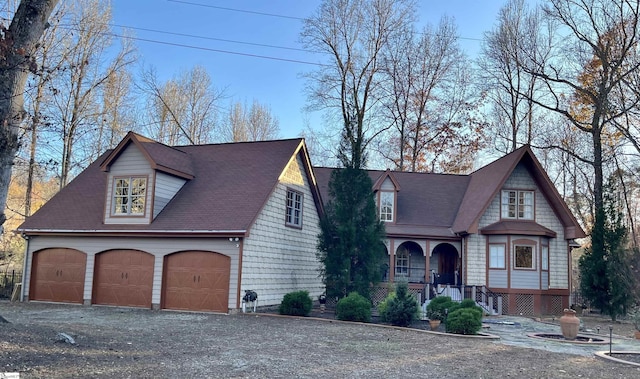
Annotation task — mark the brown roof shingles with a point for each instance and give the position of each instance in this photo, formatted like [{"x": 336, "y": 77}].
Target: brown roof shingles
[
  {"x": 427, "y": 203},
  {"x": 438, "y": 205},
  {"x": 230, "y": 186}
]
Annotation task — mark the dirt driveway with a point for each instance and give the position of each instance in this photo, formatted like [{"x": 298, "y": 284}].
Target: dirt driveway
[{"x": 123, "y": 343}]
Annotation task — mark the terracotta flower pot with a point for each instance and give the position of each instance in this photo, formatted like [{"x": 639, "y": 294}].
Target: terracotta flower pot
[
  {"x": 637, "y": 334},
  {"x": 434, "y": 324},
  {"x": 569, "y": 324}
]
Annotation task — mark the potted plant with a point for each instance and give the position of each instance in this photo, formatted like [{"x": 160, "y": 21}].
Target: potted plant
[{"x": 435, "y": 317}]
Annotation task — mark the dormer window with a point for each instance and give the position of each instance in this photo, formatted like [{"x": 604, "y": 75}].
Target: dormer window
[
  {"x": 517, "y": 204},
  {"x": 129, "y": 194},
  {"x": 386, "y": 206}
]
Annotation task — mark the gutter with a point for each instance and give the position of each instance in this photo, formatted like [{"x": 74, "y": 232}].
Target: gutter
[
  {"x": 139, "y": 232},
  {"x": 24, "y": 268}
]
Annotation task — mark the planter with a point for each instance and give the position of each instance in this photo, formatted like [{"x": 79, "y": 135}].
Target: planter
[
  {"x": 569, "y": 324},
  {"x": 434, "y": 324},
  {"x": 637, "y": 334}
]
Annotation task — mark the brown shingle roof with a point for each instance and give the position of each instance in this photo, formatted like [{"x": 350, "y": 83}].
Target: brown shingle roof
[
  {"x": 427, "y": 203},
  {"x": 438, "y": 205},
  {"x": 230, "y": 185}
]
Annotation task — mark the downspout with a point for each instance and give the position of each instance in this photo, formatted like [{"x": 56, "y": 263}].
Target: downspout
[{"x": 24, "y": 268}]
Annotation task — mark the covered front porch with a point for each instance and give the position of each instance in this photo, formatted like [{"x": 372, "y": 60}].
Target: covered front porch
[{"x": 424, "y": 262}]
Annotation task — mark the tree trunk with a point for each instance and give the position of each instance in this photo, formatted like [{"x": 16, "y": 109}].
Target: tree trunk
[{"x": 17, "y": 46}]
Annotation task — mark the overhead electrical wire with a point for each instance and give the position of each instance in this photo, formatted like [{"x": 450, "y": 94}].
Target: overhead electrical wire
[{"x": 216, "y": 50}]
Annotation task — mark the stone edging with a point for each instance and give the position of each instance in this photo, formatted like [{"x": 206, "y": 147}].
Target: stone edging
[
  {"x": 605, "y": 355},
  {"x": 477, "y": 336}
]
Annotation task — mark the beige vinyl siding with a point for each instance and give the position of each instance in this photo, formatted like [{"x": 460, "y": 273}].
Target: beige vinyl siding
[
  {"x": 131, "y": 162},
  {"x": 158, "y": 247},
  {"x": 277, "y": 259},
  {"x": 165, "y": 189}
]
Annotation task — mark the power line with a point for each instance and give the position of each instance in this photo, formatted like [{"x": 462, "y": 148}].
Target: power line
[
  {"x": 237, "y": 10},
  {"x": 276, "y": 15},
  {"x": 209, "y": 38},
  {"x": 216, "y": 50}
]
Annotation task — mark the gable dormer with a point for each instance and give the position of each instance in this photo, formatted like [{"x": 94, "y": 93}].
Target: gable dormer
[
  {"x": 142, "y": 177},
  {"x": 386, "y": 192}
]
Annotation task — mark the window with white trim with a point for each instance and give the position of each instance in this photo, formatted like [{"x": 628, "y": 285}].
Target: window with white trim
[
  {"x": 293, "y": 215},
  {"x": 496, "y": 256},
  {"x": 129, "y": 195},
  {"x": 545, "y": 258},
  {"x": 523, "y": 257},
  {"x": 402, "y": 262},
  {"x": 517, "y": 204},
  {"x": 386, "y": 206}
]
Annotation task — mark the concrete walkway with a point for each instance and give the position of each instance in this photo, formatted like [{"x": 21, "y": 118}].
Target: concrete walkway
[{"x": 514, "y": 331}]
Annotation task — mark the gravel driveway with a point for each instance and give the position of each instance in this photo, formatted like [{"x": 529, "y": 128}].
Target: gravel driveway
[{"x": 122, "y": 343}]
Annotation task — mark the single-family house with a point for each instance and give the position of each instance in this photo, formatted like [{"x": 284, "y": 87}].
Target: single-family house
[
  {"x": 502, "y": 234},
  {"x": 188, "y": 228}
]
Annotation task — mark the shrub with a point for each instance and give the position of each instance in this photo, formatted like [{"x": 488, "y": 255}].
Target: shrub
[
  {"x": 354, "y": 307},
  {"x": 384, "y": 306},
  {"x": 464, "y": 321},
  {"x": 466, "y": 303},
  {"x": 400, "y": 309},
  {"x": 437, "y": 308},
  {"x": 296, "y": 303}
]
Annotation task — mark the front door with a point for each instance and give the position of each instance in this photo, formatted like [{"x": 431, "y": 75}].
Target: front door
[{"x": 447, "y": 264}]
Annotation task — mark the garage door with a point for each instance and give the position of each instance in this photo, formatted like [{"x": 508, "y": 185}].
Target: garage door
[
  {"x": 124, "y": 278},
  {"x": 197, "y": 281},
  {"x": 58, "y": 275}
]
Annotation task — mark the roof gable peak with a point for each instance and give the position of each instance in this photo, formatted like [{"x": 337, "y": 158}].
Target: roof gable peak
[
  {"x": 161, "y": 157},
  {"x": 388, "y": 174}
]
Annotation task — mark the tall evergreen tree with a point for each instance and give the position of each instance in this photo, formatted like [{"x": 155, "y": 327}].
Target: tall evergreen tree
[
  {"x": 350, "y": 242},
  {"x": 607, "y": 279}
]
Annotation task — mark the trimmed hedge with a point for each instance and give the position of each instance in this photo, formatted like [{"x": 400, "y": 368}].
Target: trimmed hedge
[
  {"x": 464, "y": 321},
  {"x": 354, "y": 307},
  {"x": 296, "y": 303}
]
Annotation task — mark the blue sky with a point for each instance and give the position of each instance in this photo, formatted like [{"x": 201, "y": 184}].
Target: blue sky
[{"x": 238, "y": 67}]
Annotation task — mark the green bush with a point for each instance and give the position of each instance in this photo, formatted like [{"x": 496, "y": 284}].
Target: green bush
[
  {"x": 296, "y": 303},
  {"x": 354, "y": 308},
  {"x": 384, "y": 306},
  {"x": 438, "y": 307},
  {"x": 466, "y": 303},
  {"x": 400, "y": 309},
  {"x": 464, "y": 321}
]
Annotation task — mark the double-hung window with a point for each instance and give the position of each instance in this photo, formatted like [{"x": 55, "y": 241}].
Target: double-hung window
[
  {"x": 386, "y": 206},
  {"x": 129, "y": 194},
  {"x": 517, "y": 204},
  {"x": 496, "y": 256},
  {"x": 402, "y": 262},
  {"x": 293, "y": 215}
]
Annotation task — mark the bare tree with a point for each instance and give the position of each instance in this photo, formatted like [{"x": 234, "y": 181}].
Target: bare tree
[
  {"x": 254, "y": 123},
  {"x": 183, "y": 109},
  {"x": 508, "y": 86},
  {"x": 423, "y": 70},
  {"x": 116, "y": 113},
  {"x": 595, "y": 52},
  {"x": 353, "y": 33},
  {"x": 75, "y": 91},
  {"x": 17, "y": 43}
]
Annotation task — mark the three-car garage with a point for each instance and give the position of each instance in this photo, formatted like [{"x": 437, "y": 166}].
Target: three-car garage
[{"x": 194, "y": 280}]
